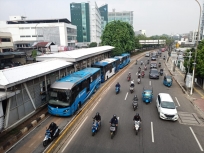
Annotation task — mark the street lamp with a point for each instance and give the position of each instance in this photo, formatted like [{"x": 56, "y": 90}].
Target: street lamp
[{"x": 198, "y": 37}]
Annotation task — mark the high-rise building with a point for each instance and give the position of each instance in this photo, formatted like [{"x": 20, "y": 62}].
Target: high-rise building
[
  {"x": 104, "y": 15},
  {"x": 87, "y": 18},
  {"x": 125, "y": 16},
  {"x": 202, "y": 25}
]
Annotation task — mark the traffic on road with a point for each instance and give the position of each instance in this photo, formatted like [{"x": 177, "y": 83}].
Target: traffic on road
[{"x": 138, "y": 112}]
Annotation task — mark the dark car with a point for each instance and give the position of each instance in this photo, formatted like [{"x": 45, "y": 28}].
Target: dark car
[
  {"x": 154, "y": 74},
  {"x": 153, "y": 58}
]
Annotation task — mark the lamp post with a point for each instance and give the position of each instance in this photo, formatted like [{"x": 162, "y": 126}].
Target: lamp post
[{"x": 198, "y": 37}]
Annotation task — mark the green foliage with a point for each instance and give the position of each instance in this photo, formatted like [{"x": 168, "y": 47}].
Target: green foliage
[
  {"x": 93, "y": 44},
  {"x": 120, "y": 35},
  {"x": 34, "y": 53},
  {"x": 137, "y": 44}
]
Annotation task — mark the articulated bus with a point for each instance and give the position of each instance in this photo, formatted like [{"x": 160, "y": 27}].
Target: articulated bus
[
  {"x": 124, "y": 59},
  {"x": 68, "y": 93},
  {"x": 108, "y": 67}
]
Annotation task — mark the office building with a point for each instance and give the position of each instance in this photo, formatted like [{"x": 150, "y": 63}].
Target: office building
[
  {"x": 6, "y": 42},
  {"x": 104, "y": 15},
  {"x": 125, "y": 16},
  {"x": 87, "y": 18},
  {"x": 140, "y": 32},
  {"x": 59, "y": 31}
]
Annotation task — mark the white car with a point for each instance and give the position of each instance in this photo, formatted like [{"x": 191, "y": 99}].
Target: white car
[
  {"x": 166, "y": 107},
  {"x": 147, "y": 54}
]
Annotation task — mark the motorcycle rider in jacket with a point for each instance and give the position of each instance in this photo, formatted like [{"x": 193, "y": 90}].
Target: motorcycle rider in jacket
[{"x": 52, "y": 128}]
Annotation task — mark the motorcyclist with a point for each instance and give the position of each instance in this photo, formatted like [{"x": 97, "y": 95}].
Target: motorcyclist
[
  {"x": 139, "y": 69},
  {"x": 141, "y": 62},
  {"x": 114, "y": 120},
  {"x": 129, "y": 75},
  {"x": 136, "y": 62},
  {"x": 159, "y": 64},
  {"x": 117, "y": 85},
  {"x": 137, "y": 118},
  {"x": 132, "y": 84},
  {"x": 98, "y": 118},
  {"x": 52, "y": 128},
  {"x": 143, "y": 73},
  {"x": 145, "y": 67},
  {"x": 139, "y": 75},
  {"x": 135, "y": 98}
]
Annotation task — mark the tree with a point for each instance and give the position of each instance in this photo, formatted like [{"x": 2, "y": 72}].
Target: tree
[
  {"x": 93, "y": 44},
  {"x": 120, "y": 35},
  {"x": 34, "y": 53}
]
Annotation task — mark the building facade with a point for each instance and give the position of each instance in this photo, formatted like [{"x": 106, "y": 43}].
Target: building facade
[
  {"x": 59, "y": 31},
  {"x": 87, "y": 18},
  {"x": 6, "y": 42},
  {"x": 193, "y": 36},
  {"x": 140, "y": 32},
  {"x": 104, "y": 16},
  {"x": 125, "y": 16}
]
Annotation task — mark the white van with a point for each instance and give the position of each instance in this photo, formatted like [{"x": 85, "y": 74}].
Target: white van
[{"x": 166, "y": 107}]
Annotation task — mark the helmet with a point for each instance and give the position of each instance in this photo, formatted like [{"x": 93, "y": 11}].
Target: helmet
[
  {"x": 129, "y": 72},
  {"x": 97, "y": 113},
  {"x": 114, "y": 115},
  {"x": 52, "y": 124},
  {"x": 135, "y": 96},
  {"x": 137, "y": 114}
]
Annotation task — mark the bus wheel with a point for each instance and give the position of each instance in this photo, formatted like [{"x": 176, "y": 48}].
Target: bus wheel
[{"x": 79, "y": 106}]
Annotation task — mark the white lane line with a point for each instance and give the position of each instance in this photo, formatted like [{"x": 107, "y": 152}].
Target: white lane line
[
  {"x": 150, "y": 83},
  {"x": 177, "y": 101},
  {"x": 126, "y": 95},
  {"x": 96, "y": 104},
  {"x": 196, "y": 139},
  {"x": 74, "y": 134},
  {"x": 152, "y": 131}
]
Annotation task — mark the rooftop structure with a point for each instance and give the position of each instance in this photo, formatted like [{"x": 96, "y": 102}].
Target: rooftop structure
[
  {"x": 76, "y": 55},
  {"x": 12, "y": 76}
]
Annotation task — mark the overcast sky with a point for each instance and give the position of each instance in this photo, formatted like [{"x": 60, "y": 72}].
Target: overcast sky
[{"x": 154, "y": 16}]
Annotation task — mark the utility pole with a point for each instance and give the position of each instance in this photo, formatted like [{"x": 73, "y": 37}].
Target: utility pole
[{"x": 189, "y": 58}]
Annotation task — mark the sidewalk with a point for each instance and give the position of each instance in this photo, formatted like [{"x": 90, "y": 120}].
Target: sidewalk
[{"x": 197, "y": 98}]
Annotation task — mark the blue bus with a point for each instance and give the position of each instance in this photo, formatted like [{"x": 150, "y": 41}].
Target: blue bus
[
  {"x": 68, "y": 93},
  {"x": 108, "y": 67},
  {"x": 124, "y": 59}
]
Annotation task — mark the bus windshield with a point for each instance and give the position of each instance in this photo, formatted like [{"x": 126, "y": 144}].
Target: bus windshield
[{"x": 60, "y": 97}]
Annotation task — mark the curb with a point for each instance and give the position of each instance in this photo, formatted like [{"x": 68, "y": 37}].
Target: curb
[{"x": 22, "y": 131}]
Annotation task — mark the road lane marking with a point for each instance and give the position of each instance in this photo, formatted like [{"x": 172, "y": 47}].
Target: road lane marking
[
  {"x": 150, "y": 83},
  {"x": 152, "y": 131},
  {"x": 96, "y": 104},
  {"x": 177, "y": 101},
  {"x": 196, "y": 139},
  {"x": 31, "y": 144},
  {"x": 126, "y": 95},
  {"x": 74, "y": 134}
]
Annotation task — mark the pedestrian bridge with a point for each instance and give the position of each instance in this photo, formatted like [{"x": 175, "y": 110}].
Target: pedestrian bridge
[{"x": 153, "y": 42}]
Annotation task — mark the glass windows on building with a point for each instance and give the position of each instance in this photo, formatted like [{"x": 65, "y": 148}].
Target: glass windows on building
[{"x": 84, "y": 29}]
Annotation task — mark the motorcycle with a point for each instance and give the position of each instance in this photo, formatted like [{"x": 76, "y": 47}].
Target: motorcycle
[
  {"x": 138, "y": 80},
  {"x": 159, "y": 65},
  {"x": 117, "y": 90},
  {"x": 164, "y": 58},
  {"x": 131, "y": 89},
  {"x": 95, "y": 127},
  {"x": 143, "y": 75},
  {"x": 161, "y": 72},
  {"x": 135, "y": 104},
  {"x": 113, "y": 129},
  {"x": 147, "y": 62},
  {"x": 128, "y": 78},
  {"x": 48, "y": 137},
  {"x": 145, "y": 68},
  {"x": 136, "y": 63},
  {"x": 141, "y": 63},
  {"x": 137, "y": 127}
]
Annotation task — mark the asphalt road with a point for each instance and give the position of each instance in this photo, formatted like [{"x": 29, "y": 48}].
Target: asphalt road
[{"x": 165, "y": 136}]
